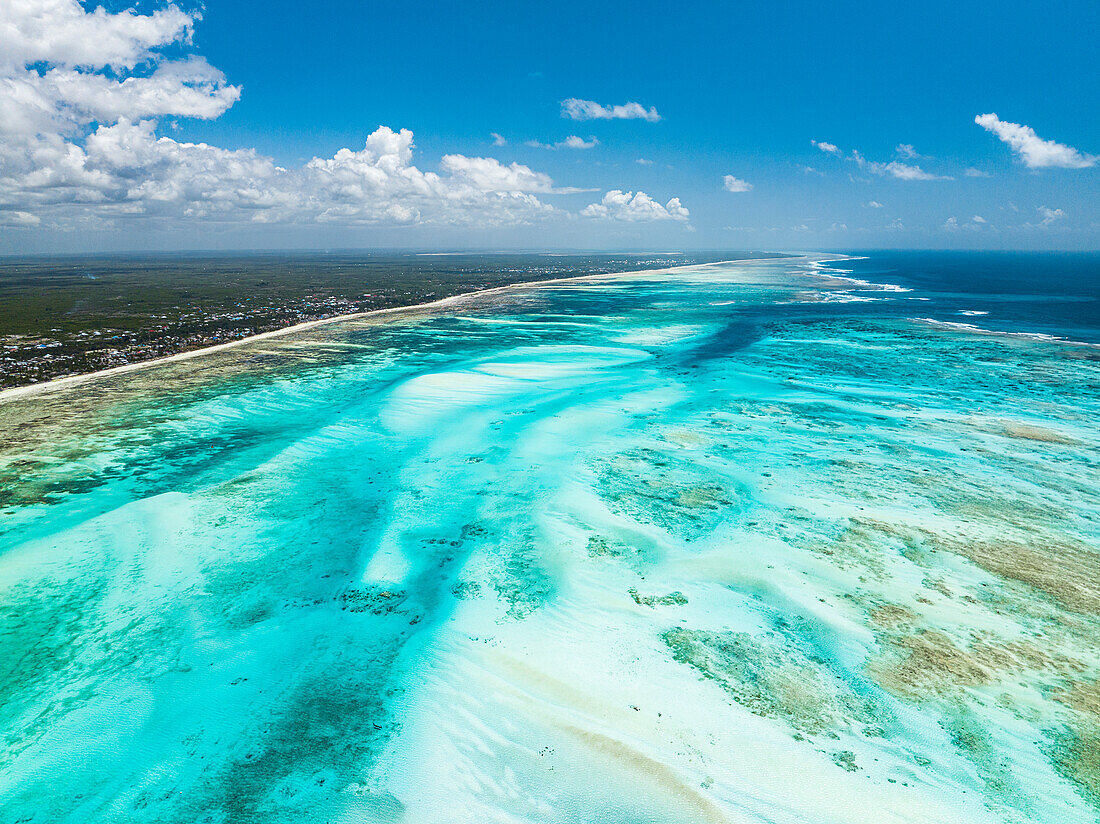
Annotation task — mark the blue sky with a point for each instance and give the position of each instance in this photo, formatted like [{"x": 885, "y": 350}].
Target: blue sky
[{"x": 849, "y": 125}]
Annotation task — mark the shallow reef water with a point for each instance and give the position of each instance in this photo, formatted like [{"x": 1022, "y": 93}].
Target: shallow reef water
[{"x": 739, "y": 542}]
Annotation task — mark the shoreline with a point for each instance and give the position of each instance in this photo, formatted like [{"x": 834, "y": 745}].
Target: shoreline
[{"x": 56, "y": 384}]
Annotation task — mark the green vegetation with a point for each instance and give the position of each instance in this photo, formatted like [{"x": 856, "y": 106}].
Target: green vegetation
[{"x": 69, "y": 315}]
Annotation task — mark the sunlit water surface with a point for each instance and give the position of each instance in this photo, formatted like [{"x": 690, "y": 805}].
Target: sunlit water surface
[{"x": 735, "y": 543}]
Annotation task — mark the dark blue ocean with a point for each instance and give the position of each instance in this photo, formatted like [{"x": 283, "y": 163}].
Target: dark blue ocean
[{"x": 1050, "y": 293}]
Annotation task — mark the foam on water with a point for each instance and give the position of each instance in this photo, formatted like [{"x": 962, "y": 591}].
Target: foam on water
[{"x": 670, "y": 547}]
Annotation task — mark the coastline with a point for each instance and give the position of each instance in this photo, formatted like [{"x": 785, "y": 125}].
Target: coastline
[
  {"x": 56, "y": 384},
  {"x": 428, "y": 491}
]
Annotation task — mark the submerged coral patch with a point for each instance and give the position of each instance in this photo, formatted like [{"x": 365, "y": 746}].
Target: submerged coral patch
[
  {"x": 676, "y": 598},
  {"x": 669, "y": 492},
  {"x": 770, "y": 677}
]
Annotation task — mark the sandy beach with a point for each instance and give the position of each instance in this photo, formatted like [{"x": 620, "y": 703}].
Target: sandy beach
[{"x": 442, "y": 303}]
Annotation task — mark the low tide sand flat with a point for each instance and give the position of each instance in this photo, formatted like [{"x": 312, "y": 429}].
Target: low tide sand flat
[{"x": 701, "y": 544}]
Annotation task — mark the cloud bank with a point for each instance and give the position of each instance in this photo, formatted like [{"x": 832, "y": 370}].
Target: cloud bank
[{"x": 83, "y": 93}]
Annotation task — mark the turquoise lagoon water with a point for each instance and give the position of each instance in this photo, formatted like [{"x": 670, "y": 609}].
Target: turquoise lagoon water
[{"x": 738, "y": 543}]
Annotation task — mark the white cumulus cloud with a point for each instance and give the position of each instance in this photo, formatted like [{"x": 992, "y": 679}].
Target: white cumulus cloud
[
  {"x": 82, "y": 96},
  {"x": 62, "y": 33},
  {"x": 628, "y": 206},
  {"x": 63, "y": 68},
  {"x": 734, "y": 184},
  {"x": 125, "y": 171},
  {"x": 830, "y": 148},
  {"x": 903, "y": 171},
  {"x": 576, "y": 109},
  {"x": 1035, "y": 152},
  {"x": 574, "y": 142},
  {"x": 487, "y": 174}
]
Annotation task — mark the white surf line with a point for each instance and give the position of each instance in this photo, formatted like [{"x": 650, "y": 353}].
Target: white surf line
[
  {"x": 72, "y": 380},
  {"x": 1000, "y": 333}
]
